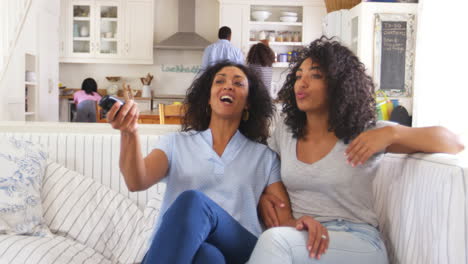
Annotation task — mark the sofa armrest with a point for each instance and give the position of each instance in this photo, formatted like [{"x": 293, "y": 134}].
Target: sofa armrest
[
  {"x": 93, "y": 214},
  {"x": 421, "y": 203}
]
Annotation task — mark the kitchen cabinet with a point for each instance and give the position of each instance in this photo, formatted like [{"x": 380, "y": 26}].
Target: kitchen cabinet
[
  {"x": 138, "y": 42},
  {"x": 30, "y": 87},
  {"x": 338, "y": 25},
  {"x": 107, "y": 31},
  {"x": 67, "y": 106},
  {"x": 235, "y": 15},
  {"x": 143, "y": 104},
  {"x": 283, "y": 36},
  {"x": 96, "y": 28}
]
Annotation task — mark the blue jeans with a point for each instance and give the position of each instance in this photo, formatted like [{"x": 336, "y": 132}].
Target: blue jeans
[
  {"x": 195, "y": 229},
  {"x": 350, "y": 243}
]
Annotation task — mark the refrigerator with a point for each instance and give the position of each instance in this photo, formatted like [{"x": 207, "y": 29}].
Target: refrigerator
[{"x": 337, "y": 24}]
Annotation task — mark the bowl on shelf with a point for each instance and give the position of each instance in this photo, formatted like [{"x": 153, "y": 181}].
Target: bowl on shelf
[
  {"x": 288, "y": 18},
  {"x": 113, "y": 78},
  {"x": 293, "y": 14},
  {"x": 261, "y": 15}
]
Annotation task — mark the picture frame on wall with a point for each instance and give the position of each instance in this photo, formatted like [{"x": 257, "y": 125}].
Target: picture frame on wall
[{"x": 394, "y": 53}]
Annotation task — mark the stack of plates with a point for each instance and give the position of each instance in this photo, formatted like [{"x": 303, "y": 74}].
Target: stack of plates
[{"x": 288, "y": 17}]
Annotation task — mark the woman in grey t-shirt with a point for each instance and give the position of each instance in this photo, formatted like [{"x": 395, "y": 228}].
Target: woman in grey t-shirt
[{"x": 330, "y": 145}]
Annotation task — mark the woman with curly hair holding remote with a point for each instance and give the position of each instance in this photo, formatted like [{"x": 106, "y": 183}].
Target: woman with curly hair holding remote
[{"x": 330, "y": 145}]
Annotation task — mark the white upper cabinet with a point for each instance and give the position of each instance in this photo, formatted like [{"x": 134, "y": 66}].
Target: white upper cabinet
[
  {"x": 138, "y": 44},
  {"x": 107, "y": 31},
  {"x": 235, "y": 16}
]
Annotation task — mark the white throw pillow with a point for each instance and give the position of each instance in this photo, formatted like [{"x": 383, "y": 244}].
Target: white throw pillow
[
  {"x": 91, "y": 213},
  {"x": 22, "y": 167}
]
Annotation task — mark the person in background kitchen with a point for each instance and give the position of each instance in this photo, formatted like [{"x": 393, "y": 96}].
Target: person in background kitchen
[
  {"x": 222, "y": 50},
  {"x": 260, "y": 58},
  {"x": 330, "y": 145},
  {"x": 88, "y": 92},
  {"x": 85, "y": 101},
  {"x": 215, "y": 169}
]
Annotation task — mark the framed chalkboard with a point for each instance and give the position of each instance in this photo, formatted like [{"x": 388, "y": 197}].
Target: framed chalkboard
[{"x": 394, "y": 53}]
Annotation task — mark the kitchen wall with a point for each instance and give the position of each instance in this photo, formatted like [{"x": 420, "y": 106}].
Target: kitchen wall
[
  {"x": 12, "y": 85},
  {"x": 165, "y": 81},
  {"x": 43, "y": 17},
  {"x": 440, "y": 90},
  {"x": 173, "y": 69}
]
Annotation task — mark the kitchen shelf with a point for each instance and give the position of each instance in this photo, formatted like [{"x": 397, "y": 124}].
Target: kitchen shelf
[
  {"x": 81, "y": 18},
  {"x": 82, "y": 38},
  {"x": 276, "y": 29},
  {"x": 274, "y": 43},
  {"x": 109, "y": 39},
  {"x": 111, "y": 19},
  {"x": 267, "y": 23},
  {"x": 30, "y": 86}
]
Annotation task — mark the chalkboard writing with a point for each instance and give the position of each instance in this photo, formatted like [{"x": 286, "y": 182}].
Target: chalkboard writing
[{"x": 392, "y": 71}]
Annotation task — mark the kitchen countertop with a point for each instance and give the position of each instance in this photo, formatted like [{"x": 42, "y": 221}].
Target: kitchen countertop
[
  {"x": 169, "y": 96},
  {"x": 104, "y": 92},
  {"x": 70, "y": 97}
]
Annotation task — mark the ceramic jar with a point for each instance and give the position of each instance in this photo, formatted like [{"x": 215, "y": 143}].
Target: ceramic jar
[
  {"x": 84, "y": 31},
  {"x": 262, "y": 35}
]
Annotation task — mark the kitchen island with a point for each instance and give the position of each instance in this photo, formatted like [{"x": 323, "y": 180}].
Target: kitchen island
[{"x": 148, "y": 106}]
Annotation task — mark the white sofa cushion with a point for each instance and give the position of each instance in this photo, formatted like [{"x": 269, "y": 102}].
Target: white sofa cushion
[
  {"x": 86, "y": 211},
  {"x": 421, "y": 202},
  {"x": 56, "y": 249},
  {"x": 22, "y": 166}
]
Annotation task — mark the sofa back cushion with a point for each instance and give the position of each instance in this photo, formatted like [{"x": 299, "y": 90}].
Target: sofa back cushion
[
  {"x": 85, "y": 210},
  {"x": 421, "y": 202},
  {"x": 95, "y": 155},
  {"x": 22, "y": 166}
]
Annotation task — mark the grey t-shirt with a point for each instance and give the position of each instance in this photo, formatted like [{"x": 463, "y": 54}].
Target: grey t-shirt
[
  {"x": 265, "y": 74},
  {"x": 329, "y": 188}
]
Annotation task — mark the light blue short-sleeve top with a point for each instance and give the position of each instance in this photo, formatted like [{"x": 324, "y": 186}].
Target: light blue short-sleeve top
[
  {"x": 221, "y": 50},
  {"x": 234, "y": 181}
]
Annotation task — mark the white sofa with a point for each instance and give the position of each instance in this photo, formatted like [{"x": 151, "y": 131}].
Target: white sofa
[{"x": 421, "y": 201}]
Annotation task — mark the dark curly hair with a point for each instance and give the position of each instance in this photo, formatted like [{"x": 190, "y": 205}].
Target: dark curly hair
[
  {"x": 261, "y": 54},
  {"x": 198, "y": 112},
  {"x": 349, "y": 93}
]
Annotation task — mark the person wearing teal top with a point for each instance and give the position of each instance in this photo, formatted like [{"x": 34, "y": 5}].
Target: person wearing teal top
[{"x": 216, "y": 169}]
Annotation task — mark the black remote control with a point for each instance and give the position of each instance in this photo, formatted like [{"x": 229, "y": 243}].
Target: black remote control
[{"x": 108, "y": 101}]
